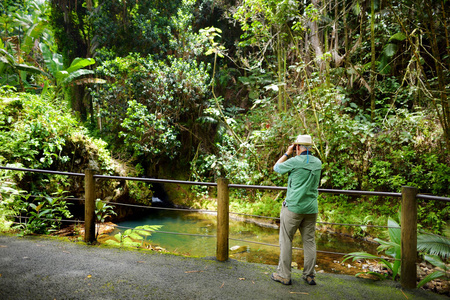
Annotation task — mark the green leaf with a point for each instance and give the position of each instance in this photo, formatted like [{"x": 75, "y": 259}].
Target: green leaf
[
  {"x": 396, "y": 266},
  {"x": 390, "y": 50},
  {"x": 9, "y": 58},
  {"x": 379, "y": 275},
  {"x": 359, "y": 255},
  {"x": 128, "y": 232},
  {"x": 118, "y": 236},
  {"x": 4, "y": 60},
  {"x": 30, "y": 69},
  {"x": 32, "y": 33},
  {"x": 45, "y": 212},
  {"x": 245, "y": 80},
  {"x": 136, "y": 236},
  {"x": 61, "y": 75},
  {"x": 144, "y": 232},
  {"x": 394, "y": 233},
  {"x": 99, "y": 204},
  {"x": 112, "y": 242},
  {"x": 79, "y": 63},
  {"x": 76, "y": 74},
  {"x": 130, "y": 243},
  {"x": 365, "y": 255},
  {"x": 399, "y": 36},
  {"x": 434, "y": 244},
  {"x": 435, "y": 261},
  {"x": 150, "y": 227},
  {"x": 429, "y": 277}
]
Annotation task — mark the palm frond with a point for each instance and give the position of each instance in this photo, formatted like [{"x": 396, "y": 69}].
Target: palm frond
[{"x": 434, "y": 244}]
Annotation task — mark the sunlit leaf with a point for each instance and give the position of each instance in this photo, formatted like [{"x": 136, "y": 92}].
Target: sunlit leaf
[
  {"x": 135, "y": 236},
  {"x": 79, "y": 63},
  {"x": 399, "y": 36}
]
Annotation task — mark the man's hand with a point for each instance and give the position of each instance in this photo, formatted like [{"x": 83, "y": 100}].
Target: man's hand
[
  {"x": 283, "y": 158},
  {"x": 290, "y": 149}
]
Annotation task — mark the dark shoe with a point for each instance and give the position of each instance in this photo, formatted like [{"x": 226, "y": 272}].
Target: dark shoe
[
  {"x": 310, "y": 280},
  {"x": 280, "y": 279}
]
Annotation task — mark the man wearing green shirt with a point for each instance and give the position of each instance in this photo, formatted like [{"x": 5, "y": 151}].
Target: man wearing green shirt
[{"x": 300, "y": 208}]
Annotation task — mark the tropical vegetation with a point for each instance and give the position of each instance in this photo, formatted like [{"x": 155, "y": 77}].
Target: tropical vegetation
[
  {"x": 196, "y": 90},
  {"x": 434, "y": 249}
]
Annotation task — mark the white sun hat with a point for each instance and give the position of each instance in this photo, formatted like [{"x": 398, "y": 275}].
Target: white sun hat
[{"x": 304, "y": 140}]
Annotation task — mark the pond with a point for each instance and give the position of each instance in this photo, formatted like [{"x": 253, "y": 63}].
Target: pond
[{"x": 242, "y": 235}]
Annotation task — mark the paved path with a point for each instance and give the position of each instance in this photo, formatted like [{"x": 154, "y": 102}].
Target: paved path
[{"x": 52, "y": 268}]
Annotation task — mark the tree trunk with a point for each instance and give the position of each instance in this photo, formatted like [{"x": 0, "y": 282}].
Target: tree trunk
[
  {"x": 362, "y": 31},
  {"x": 72, "y": 41},
  {"x": 307, "y": 53},
  {"x": 372, "y": 66},
  {"x": 315, "y": 40},
  {"x": 447, "y": 40},
  {"x": 444, "y": 115},
  {"x": 280, "y": 73},
  {"x": 441, "y": 79},
  {"x": 77, "y": 96},
  {"x": 346, "y": 44},
  {"x": 327, "y": 64}
]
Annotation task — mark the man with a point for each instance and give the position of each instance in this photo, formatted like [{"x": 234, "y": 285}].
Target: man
[{"x": 300, "y": 208}]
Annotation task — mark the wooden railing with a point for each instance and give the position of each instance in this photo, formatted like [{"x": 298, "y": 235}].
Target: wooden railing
[{"x": 409, "y": 196}]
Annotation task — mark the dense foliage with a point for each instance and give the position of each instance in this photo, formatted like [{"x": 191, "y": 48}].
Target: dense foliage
[
  {"x": 367, "y": 79},
  {"x": 38, "y": 133},
  {"x": 146, "y": 105}
]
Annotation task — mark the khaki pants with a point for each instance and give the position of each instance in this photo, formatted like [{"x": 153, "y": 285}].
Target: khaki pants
[{"x": 288, "y": 226}]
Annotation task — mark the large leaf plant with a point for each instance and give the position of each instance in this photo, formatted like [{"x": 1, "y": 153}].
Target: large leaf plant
[
  {"x": 434, "y": 248},
  {"x": 391, "y": 248},
  {"x": 62, "y": 76}
]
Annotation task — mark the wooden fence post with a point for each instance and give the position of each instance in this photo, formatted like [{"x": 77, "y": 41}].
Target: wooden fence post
[
  {"x": 89, "y": 206},
  {"x": 408, "y": 224},
  {"x": 222, "y": 219}
]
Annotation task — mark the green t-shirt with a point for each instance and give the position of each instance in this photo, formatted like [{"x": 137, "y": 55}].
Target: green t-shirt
[{"x": 304, "y": 178}]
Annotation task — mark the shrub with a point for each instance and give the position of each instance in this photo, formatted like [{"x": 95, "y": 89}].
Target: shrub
[{"x": 147, "y": 106}]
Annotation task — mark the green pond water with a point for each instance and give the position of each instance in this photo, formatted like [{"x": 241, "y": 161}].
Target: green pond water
[{"x": 205, "y": 224}]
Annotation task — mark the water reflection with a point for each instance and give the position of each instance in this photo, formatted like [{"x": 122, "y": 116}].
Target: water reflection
[{"x": 205, "y": 224}]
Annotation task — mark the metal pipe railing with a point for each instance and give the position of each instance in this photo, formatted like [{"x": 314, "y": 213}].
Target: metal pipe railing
[{"x": 261, "y": 187}]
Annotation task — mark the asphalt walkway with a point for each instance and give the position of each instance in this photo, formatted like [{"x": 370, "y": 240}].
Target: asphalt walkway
[{"x": 55, "y": 268}]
